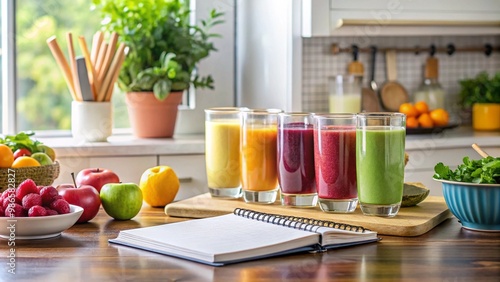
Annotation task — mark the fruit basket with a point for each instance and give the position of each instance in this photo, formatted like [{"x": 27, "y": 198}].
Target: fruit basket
[{"x": 42, "y": 175}]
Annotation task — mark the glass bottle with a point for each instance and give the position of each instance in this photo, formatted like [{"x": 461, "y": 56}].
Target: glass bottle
[{"x": 430, "y": 90}]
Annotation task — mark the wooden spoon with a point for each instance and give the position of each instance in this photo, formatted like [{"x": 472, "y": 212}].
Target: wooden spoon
[
  {"x": 480, "y": 151},
  {"x": 392, "y": 93}
]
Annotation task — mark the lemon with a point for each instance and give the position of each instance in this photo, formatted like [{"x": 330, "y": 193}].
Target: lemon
[
  {"x": 25, "y": 161},
  {"x": 159, "y": 185}
]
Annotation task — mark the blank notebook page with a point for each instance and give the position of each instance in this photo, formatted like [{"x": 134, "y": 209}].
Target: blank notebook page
[{"x": 224, "y": 234}]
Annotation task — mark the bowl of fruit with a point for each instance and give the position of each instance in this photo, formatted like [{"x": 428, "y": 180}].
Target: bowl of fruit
[
  {"x": 32, "y": 211},
  {"x": 472, "y": 192},
  {"x": 420, "y": 119},
  {"x": 22, "y": 157}
]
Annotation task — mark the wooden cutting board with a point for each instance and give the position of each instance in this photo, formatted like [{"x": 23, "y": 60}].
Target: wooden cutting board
[{"x": 410, "y": 221}]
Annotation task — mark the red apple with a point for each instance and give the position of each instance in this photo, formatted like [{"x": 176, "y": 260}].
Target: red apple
[
  {"x": 84, "y": 196},
  {"x": 96, "y": 177},
  {"x": 21, "y": 152}
]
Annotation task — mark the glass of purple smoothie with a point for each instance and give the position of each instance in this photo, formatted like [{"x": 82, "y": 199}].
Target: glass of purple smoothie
[
  {"x": 380, "y": 154},
  {"x": 335, "y": 162},
  {"x": 296, "y": 160}
]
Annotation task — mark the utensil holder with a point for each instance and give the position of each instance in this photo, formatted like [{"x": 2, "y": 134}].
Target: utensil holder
[{"x": 91, "y": 121}]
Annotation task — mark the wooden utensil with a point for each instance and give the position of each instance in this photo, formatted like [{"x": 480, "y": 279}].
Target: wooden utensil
[
  {"x": 369, "y": 96},
  {"x": 93, "y": 80},
  {"x": 355, "y": 67},
  {"x": 72, "y": 63},
  {"x": 480, "y": 151},
  {"x": 63, "y": 65},
  {"x": 392, "y": 93}
]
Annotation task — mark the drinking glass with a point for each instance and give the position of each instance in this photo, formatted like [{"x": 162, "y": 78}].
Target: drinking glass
[
  {"x": 380, "y": 150},
  {"x": 222, "y": 151},
  {"x": 259, "y": 168},
  {"x": 345, "y": 94},
  {"x": 296, "y": 160},
  {"x": 335, "y": 161}
]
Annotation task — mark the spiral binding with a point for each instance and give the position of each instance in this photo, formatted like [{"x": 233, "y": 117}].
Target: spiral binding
[{"x": 303, "y": 223}]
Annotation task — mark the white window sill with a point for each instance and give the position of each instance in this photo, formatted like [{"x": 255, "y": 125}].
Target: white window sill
[{"x": 127, "y": 145}]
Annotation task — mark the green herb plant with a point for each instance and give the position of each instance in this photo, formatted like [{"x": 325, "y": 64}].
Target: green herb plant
[
  {"x": 164, "y": 47},
  {"x": 21, "y": 140},
  {"x": 481, "y": 89},
  {"x": 485, "y": 170}
]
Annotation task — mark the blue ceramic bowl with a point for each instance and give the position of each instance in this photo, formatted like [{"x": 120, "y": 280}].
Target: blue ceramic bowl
[{"x": 477, "y": 206}]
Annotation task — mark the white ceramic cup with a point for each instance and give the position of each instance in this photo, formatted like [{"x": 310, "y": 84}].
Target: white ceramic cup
[{"x": 91, "y": 121}]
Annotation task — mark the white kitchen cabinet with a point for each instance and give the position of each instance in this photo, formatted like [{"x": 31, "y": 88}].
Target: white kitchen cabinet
[
  {"x": 399, "y": 17},
  {"x": 128, "y": 168},
  {"x": 190, "y": 170},
  {"x": 68, "y": 165}
]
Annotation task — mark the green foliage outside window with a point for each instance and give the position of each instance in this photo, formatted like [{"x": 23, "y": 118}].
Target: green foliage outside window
[{"x": 44, "y": 101}]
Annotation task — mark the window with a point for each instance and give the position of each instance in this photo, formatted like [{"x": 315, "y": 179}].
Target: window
[{"x": 42, "y": 99}]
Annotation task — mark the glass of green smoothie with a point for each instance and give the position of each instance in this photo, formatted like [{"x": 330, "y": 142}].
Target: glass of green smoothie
[{"x": 380, "y": 150}]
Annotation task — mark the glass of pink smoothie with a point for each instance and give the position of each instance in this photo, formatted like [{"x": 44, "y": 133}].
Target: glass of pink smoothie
[
  {"x": 380, "y": 151},
  {"x": 296, "y": 160},
  {"x": 222, "y": 151},
  {"x": 335, "y": 162}
]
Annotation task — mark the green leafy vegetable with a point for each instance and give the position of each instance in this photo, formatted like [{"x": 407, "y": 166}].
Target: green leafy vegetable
[
  {"x": 481, "y": 89},
  {"x": 21, "y": 140},
  {"x": 485, "y": 170}
]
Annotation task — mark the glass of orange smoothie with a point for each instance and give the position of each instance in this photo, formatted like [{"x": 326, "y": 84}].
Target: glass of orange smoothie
[
  {"x": 259, "y": 168},
  {"x": 222, "y": 151}
]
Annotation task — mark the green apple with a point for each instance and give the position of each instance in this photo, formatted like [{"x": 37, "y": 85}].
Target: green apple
[
  {"x": 47, "y": 150},
  {"x": 42, "y": 158},
  {"x": 121, "y": 201}
]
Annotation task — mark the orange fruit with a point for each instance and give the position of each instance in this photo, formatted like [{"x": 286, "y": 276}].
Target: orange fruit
[
  {"x": 6, "y": 156},
  {"x": 421, "y": 107},
  {"x": 411, "y": 122},
  {"x": 159, "y": 185},
  {"x": 440, "y": 117},
  {"x": 408, "y": 109},
  {"x": 425, "y": 120},
  {"x": 25, "y": 161}
]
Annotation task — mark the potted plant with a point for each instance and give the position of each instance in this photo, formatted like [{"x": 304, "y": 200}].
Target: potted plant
[
  {"x": 164, "y": 49},
  {"x": 482, "y": 94}
]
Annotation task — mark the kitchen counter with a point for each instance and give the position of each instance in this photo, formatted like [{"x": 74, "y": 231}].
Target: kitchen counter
[
  {"x": 459, "y": 137},
  {"x": 127, "y": 145},
  {"x": 130, "y": 157},
  {"x": 82, "y": 253}
]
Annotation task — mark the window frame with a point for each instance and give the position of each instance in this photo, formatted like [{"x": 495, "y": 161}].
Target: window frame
[
  {"x": 194, "y": 102},
  {"x": 9, "y": 71}
]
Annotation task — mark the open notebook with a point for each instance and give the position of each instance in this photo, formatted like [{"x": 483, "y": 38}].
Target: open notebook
[{"x": 243, "y": 235}]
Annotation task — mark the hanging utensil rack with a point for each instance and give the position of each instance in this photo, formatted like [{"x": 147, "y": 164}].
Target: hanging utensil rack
[{"x": 449, "y": 49}]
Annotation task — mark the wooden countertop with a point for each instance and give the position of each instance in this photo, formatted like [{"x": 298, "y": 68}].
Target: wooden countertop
[{"x": 82, "y": 253}]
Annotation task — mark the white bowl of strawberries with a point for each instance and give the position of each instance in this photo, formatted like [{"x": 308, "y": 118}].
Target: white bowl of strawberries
[{"x": 35, "y": 212}]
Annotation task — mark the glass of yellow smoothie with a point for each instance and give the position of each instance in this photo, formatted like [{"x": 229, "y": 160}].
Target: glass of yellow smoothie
[
  {"x": 222, "y": 151},
  {"x": 259, "y": 157}
]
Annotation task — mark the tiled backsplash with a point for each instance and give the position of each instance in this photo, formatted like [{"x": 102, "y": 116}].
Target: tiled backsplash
[{"x": 319, "y": 63}]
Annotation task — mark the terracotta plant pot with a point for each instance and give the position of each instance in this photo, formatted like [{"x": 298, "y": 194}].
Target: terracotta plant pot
[
  {"x": 486, "y": 116},
  {"x": 150, "y": 118}
]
